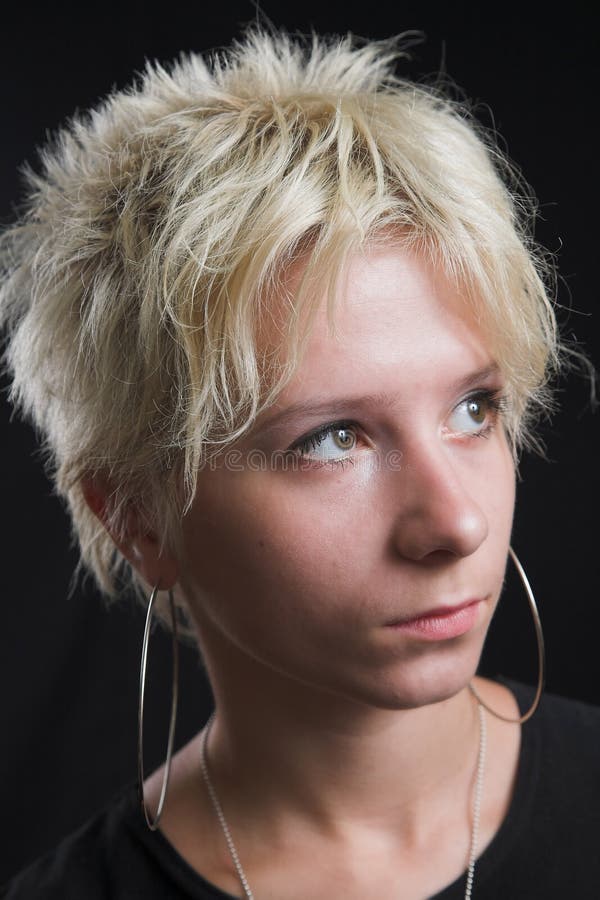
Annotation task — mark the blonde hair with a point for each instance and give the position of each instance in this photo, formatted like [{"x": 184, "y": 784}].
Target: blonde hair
[{"x": 149, "y": 245}]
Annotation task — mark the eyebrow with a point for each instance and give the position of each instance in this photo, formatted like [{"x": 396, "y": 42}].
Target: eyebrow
[{"x": 335, "y": 406}]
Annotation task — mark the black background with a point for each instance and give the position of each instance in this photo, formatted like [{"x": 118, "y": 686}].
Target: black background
[{"x": 69, "y": 669}]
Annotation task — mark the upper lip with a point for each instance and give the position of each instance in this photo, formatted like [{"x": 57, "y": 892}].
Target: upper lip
[{"x": 437, "y": 611}]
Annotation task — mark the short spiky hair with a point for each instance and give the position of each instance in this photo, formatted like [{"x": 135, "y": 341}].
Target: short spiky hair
[{"x": 156, "y": 230}]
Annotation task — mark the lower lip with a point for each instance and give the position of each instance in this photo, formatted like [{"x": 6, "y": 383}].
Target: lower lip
[{"x": 441, "y": 626}]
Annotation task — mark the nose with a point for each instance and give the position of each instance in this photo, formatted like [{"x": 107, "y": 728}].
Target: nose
[{"x": 437, "y": 510}]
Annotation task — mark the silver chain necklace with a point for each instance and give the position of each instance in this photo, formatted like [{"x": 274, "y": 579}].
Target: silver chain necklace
[{"x": 474, "y": 827}]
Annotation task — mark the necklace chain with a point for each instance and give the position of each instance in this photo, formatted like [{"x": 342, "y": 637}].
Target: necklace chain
[
  {"x": 220, "y": 814},
  {"x": 474, "y": 825},
  {"x": 477, "y": 800}
]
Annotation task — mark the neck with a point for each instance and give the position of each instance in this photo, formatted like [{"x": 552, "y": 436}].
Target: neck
[{"x": 280, "y": 749}]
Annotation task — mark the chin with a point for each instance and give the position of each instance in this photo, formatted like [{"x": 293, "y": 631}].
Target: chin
[{"x": 418, "y": 682}]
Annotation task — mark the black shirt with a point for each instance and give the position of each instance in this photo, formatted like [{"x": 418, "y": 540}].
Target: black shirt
[{"x": 547, "y": 847}]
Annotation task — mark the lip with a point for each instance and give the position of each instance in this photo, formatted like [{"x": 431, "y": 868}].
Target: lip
[{"x": 441, "y": 623}]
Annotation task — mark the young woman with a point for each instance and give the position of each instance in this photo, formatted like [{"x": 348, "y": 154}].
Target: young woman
[{"x": 282, "y": 323}]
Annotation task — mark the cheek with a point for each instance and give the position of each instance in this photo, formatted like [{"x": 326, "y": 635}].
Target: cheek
[
  {"x": 279, "y": 546},
  {"x": 294, "y": 552},
  {"x": 502, "y": 491},
  {"x": 498, "y": 503}
]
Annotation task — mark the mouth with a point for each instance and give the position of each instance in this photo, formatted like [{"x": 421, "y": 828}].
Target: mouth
[{"x": 442, "y": 622}]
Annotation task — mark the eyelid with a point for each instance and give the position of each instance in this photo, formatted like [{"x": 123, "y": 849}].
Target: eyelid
[
  {"x": 322, "y": 429},
  {"x": 494, "y": 395},
  {"x": 498, "y": 402}
]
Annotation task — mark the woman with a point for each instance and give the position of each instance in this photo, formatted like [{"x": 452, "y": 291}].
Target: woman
[{"x": 283, "y": 326}]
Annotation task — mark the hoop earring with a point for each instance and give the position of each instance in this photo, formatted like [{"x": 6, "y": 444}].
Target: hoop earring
[
  {"x": 153, "y": 824},
  {"x": 540, "y": 646}
]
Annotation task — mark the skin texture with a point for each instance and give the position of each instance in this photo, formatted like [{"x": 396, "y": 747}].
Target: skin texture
[
  {"x": 300, "y": 570},
  {"x": 343, "y": 749}
]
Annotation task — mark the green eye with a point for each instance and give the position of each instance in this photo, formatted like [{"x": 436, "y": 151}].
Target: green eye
[
  {"x": 343, "y": 438},
  {"x": 477, "y": 414},
  {"x": 477, "y": 410},
  {"x": 323, "y": 443}
]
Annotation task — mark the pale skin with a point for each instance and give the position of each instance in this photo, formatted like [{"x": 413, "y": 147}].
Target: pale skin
[{"x": 344, "y": 750}]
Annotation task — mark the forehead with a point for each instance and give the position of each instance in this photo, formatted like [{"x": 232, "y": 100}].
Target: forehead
[{"x": 396, "y": 315}]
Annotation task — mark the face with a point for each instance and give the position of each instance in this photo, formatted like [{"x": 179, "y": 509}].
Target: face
[{"x": 387, "y": 495}]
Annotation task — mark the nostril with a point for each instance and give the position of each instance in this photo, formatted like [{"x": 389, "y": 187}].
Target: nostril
[{"x": 438, "y": 557}]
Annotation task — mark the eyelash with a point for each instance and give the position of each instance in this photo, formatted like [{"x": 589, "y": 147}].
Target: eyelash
[
  {"x": 315, "y": 438},
  {"x": 496, "y": 401}
]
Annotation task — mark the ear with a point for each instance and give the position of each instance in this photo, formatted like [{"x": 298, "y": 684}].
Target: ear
[{"x": 137, "y": 543}]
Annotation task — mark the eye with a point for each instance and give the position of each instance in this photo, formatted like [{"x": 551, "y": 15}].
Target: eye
[
  {"x": 476, "y": 415},
  {"x": 330, "y": 440}
]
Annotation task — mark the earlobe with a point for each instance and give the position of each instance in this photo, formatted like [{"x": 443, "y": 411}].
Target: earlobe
[
  {"x": 138, "y": 543},
  {"x": 143, "y": 550}
]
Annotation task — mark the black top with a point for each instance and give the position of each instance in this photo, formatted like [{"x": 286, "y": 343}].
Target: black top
[{"x": 547, "y": 847}]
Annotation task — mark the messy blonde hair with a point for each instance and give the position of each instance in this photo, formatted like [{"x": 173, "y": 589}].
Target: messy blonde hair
[{"x": 162, "y": 220}]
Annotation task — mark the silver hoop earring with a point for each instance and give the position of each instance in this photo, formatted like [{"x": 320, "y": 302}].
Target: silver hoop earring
[
  {"x": 540, "y": 646},
  {"x": 153, "y": 824}
]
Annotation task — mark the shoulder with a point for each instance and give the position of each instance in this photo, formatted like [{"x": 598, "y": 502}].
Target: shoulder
[
  {"x": 560, "y": 750},
  {"x": 102, "y": 859},
  {"x": 113, "y": 856},
  {"x": 79, "y": 866},
  {"x": 546, "y": 845},
  {"x": 564, "y": 720}
]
